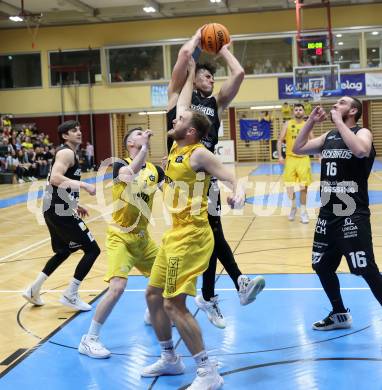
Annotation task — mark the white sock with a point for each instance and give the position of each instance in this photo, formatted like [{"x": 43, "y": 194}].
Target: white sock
[
  {"x": 167, "y": 350},
  {"x": 37, "y": 284},
  {"x": 201, "y": 359},
  {"x": 95, "y": 328},
  {"x": 73, "y": 287},
  {"x": 303, "y": 208}
]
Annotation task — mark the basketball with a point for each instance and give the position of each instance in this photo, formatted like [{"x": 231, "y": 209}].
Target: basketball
[{"x": 214, "y": 37}]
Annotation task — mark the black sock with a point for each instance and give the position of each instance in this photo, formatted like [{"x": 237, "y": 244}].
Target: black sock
[{"x": 331, "y": 286}]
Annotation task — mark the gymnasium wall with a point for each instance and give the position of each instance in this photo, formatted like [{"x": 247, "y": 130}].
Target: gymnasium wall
[
  {"x": 115, "y": 98},
  {"x": 43, "y": 105}
]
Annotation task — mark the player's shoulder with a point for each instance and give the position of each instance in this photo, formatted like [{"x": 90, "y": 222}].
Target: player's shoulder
[{"x": 64, "y": 152}]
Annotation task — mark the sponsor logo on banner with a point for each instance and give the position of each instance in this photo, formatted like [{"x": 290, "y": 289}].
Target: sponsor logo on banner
[
  {"x": 225, "y": 151},
  {"x": 373, "y": 84},
  {"x": 351, "y": 85}
]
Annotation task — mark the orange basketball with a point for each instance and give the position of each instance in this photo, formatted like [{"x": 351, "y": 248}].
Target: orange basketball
[{"x": 214, "y": 36}]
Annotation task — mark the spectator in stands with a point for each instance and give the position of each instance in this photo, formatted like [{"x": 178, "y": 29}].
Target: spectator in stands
[
  {"x": 27, "y": 144},
  {"x": 9, "y": 146},
  {"x": 288, "y": 67},
  {"x": 89, "y": 153},
  {"x": 268, "y": 66},
  {"x": 117, "y": 77},
  {"x": 46, "y": 140},
  {"x": 28, "y": 171},
  {"x": 41, "y": 163},
  {"x": 248, "y": 67},
  {"x": 280, "y": 67}
]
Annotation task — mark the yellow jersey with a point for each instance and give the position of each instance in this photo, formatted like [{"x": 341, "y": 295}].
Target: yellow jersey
[
  {"x": 184, "y": 190},
  {"x": 292, "y": 132},
  {"x": 133, "y": 202}
]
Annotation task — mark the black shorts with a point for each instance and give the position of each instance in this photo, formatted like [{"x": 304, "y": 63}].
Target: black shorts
[
  {"x": 343, "y": 236},
  {"x": 68, "y": 233}
]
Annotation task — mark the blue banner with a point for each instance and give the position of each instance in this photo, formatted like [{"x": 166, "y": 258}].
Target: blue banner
[
  {"x": 254, "y": 130},
  {"x": 159, "y": 95},
  {"x": 351, "y": 85}
]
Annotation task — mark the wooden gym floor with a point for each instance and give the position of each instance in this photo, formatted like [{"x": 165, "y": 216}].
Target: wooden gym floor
[{"x": 263, "y": 240}]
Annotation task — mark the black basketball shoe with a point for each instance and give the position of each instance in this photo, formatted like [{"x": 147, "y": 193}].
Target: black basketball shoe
[{"x": 334, "y": 321}]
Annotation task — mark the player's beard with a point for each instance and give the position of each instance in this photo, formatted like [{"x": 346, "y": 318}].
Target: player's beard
[
  {"x": 175, "y": 135},
  {"x": 345, "y": 116}
]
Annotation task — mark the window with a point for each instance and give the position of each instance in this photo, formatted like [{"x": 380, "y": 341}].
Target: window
[
  {"x": 77, "y": 63},
  {"x": 261, "y": 56},
  {"x": 346, "y": 50},
  {"x": 374, "y": 49},
  {"x": 221, "y": 68},
  {"x": 20, "y": 71},
  {"x": 136, "y": 63}
]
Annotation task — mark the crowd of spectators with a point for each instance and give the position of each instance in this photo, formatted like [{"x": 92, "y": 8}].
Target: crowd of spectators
[
  {"x": 27, "y": 152},
  {"x": 268, "y": 67},
  {"x": 136, "y": 74},
  {"x": 24, "y": 151}
]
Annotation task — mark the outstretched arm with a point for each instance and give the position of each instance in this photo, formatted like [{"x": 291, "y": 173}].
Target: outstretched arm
[
  {"x": 280, "y": 141},
  {"x": 179, "y": 73},
  {"x": 63, "y": 161},
  {"x": 184, "y": 100},
  {"x": 231, "y": 86},
  {"x": 304, "y": 145},
  {"x": 203, "y": 160}
]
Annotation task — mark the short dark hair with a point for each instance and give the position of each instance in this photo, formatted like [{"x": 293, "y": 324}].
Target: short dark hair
[
  {"x": 299, "y": 105},
  {"x": 64, "y": 127},
  {"x": 201, "y": 123},
  {"x": 206, "y": 66},
  {"x": 129, "y": 132},
  {"x": 358, "y": 105}
]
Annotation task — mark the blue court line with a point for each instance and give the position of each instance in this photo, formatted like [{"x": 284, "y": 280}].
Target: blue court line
[
  {"x": 22, "y": 198},
  {"x": 269, "y": 343}
]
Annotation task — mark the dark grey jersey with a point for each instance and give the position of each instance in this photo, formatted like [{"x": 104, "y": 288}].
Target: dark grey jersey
[{"x": 344, "y": 187}]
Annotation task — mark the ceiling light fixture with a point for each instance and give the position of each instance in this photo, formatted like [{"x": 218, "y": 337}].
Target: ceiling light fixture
[
  {"x": 266, "y": 107},
  {"x": 16, "y": 19},
  {"x": 375, "y": 33},
  {"x": 215, "y": 1},
  {"x": 340, "y": 43},
  {"x": 151, "y": 7},
  {"x": 339, "y": 35},
  {"x": 151, "y": 112}
]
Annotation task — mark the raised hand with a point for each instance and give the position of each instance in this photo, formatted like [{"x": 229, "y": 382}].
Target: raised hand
[
  {"x": 318, "y": 114},
  {"x": 146, "y": 136}
]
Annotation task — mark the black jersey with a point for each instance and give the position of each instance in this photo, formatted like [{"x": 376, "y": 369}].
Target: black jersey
[
  {"x": 344, "y": 177},
  {"x": 209, "y": 107},
  {"x": 67, "y": 197}
]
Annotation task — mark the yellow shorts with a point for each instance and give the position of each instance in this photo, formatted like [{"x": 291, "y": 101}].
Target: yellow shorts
[
  {"x": 128, "y": 250},
  {"x": 297, "y": 170},
  {"x": 183, "y": 255}
]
